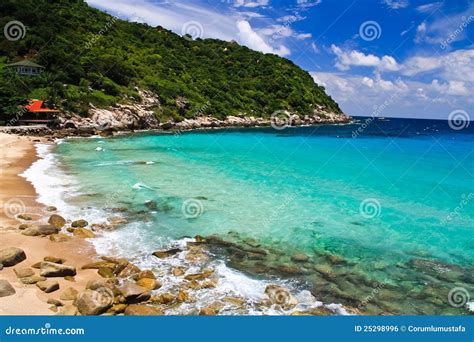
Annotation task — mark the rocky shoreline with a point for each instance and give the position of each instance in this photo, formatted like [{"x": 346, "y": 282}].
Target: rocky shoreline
[
  {"x": 120, "y": 287},
  {"x": 126, "y": 118}
]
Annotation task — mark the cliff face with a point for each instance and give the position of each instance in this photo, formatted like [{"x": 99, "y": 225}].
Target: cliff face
[{"x": 102, "y": 68}]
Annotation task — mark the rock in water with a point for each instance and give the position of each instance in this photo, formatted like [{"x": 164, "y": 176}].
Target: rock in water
[
  {"x": 142, "y": 310},
  {"x": 279, "y": 295},
  {"x": 91, "y": 302},
  {"x": 48, "y": 286},
  {"x": 299, "y": 257},
  {"x": 166, "y": 254},
  {"x": 6, "y": 289},
  {"x": 79, "y": 224},
  {"x": 150, "y": 284},
  {"x": 50, "y": 269},
  {"x": 11, "y": 256},
  {"x": 57, "y": 221}
]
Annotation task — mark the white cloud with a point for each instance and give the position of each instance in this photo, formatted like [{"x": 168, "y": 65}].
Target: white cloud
[
  {"x": 252, "y": 4},
  {"x": 174, "y": 15},
  {"x": 427, "y": 8},
  {"x": 250, "y": 38},
  {"x": 360, "y": 95},
  {"x": 346, "y": 59},
  {"x": 444, "y": 29},
  {"x": 307, "y": 3},
  {"x": 396, "y": 4}
]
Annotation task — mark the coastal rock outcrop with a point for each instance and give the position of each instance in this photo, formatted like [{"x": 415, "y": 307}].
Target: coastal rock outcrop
[{"x": 57, "y": 221}]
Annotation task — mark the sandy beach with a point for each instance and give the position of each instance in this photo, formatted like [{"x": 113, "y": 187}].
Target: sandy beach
[{"x": 18, "y": 196}]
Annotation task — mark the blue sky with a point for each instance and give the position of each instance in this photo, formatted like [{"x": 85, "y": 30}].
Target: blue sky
[{"x": 402, "y": 58}]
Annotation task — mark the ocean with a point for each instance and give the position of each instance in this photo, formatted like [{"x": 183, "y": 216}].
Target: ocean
[{"x": 377, "y": 215}]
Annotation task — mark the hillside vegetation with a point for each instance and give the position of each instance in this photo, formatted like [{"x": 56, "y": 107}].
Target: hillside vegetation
[{"x": 93, "y": 58}]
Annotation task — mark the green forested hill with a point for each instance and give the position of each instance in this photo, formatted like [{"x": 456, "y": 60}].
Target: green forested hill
[{"x": 91, "y": 57}]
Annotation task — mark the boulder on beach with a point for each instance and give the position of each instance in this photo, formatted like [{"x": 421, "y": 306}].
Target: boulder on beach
[
  {"x": 69, "y": 294},
  {"x": 83, "y": 233},
  {"x": 79, "y": 224},
  {"x": 42, "y": 230},
  {"x": 50, "y": 269},
  {"x": 91, "y": 302},
  {"x": 55, "y": 260},
  {"x": 11, "y": 256},
  {"x": 57, "y": 221},
  {"x": 48, "y": 286},
  {"x": 32, "y": 279},
  {"x": 24, "y": 272},
  {"x": 134, "y": 293},
  {"x": 68, "y": 310},
  {"x": 6, "y": 289},
  {"x": 59, "y": 237}
]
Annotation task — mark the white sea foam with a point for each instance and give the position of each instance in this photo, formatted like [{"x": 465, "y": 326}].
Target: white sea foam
[{"x": 134, "y": 241}]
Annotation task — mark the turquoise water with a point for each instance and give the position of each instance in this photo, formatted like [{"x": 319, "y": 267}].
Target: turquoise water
[{"x": 395, "y": 203}]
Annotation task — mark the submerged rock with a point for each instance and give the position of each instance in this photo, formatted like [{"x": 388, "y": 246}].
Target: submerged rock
[
  {"x": 11, "y": 256},
  {"x": 300, "y": 257}
]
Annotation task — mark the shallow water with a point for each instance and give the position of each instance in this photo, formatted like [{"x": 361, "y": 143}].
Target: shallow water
[{"x": 385, "y": 215}]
